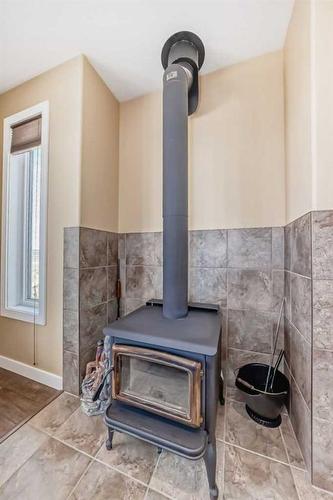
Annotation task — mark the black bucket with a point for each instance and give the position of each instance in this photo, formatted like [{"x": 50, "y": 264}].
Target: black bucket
[{"x": 262, "y": 406}]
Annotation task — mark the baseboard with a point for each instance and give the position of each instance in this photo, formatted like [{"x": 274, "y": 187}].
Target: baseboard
[{"x": 31, "y": 372}]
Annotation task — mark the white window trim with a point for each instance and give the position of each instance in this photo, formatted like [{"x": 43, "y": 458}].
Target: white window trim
[{"x": 20, "y": 312}]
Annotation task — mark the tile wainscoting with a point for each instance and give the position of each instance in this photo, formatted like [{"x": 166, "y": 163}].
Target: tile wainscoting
[
  {"x": 90, "y": 274},
  {"x": 240, "y": 269},
  {"x": 247, "y": 272},
  {"x": 309, "y": 339}
]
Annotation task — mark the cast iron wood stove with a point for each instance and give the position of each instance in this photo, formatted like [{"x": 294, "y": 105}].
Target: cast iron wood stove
[{"x": 165, "y": 357}]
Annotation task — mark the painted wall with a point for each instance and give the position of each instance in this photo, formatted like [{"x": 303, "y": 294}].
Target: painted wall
[
  {"x": 62, "y": 87},
  {"x": 236, "y": 150},
  {"x": 297, "y": 55},
  {"x": 323, "y": 68},
  {"x": 100, "y": 145}
]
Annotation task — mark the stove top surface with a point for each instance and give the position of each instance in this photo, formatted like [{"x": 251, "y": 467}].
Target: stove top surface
[{"x": 199, "y": 332}]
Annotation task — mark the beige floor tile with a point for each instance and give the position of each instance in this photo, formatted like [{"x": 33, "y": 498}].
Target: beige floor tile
[
  {"x": 131, "y": 456},
  {"x": 292, "y": 446},
  {"x": 185, "y": 479},
  {"x": 252, "y": 477},
  {"x": 56, "y": 413},
  {"x": 82, "y": 432},
  {"x": 305, "y": 489},
  {"x": 16, "y": 450},
  {"x": 49, "y": 474},
  {"x": 154, "y": 495},
  {"x": 102, "y": 483},
  {"x": 244, "y": 432},
  {"x": 220, "y": 422},
  {"x": 235, "y": 394}
]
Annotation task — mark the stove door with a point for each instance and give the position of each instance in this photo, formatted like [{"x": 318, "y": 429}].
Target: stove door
[{"x": 159, "y": 382}]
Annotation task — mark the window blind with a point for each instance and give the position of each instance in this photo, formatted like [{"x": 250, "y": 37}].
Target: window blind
[{"x": 26, "y": 135}]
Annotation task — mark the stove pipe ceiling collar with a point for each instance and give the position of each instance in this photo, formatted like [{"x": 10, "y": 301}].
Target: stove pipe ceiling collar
[{"x": 182, "y": 56}]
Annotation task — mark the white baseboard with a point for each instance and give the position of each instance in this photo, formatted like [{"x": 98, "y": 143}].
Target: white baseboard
[{"x": 31, "y": 372}]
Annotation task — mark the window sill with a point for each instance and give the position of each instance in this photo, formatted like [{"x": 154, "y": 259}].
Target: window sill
[{"x": 23, "y": 313}]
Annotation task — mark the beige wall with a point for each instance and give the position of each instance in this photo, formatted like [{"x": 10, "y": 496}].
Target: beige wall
[
  {"x": 298, "y": 112},
  {"x": 61, "y": 86},
  {"x": 100, "y": 144},
  {"x": 236, "y": 149},
  {"x": 323, "y": 95}
]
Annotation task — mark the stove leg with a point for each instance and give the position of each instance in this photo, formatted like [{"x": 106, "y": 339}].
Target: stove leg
[
  {"x": 221, "y": 397},
  {"x": 108, "y": 443},
  {"x": 210, "y": 462}
]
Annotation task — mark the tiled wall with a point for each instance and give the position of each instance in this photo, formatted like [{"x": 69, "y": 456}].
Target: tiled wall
[
  {"x": 242, "y": 270},
  {"x": 90, "y": 273},
  {"x": 245, "y": 271},
  {"x": 309, "y": 339},
  {"x": 322, "y": 364},
  {"x": 298, "y": 326}
]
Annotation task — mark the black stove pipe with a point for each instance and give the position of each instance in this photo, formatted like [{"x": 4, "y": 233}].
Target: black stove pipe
[{"x": 182, "y": 56}]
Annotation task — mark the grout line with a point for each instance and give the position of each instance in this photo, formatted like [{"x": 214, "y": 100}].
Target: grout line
[
  {"x": 256, "y": 453},
  {"x": 79, "y": 480},
  {"x": 112, "y": 467},
  {"x": 295, "y": 484}
]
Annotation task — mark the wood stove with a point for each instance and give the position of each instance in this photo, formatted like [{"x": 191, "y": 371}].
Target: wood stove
[
  {"x": 165, "y": 357},
  {"x": 166, "y": 380}
]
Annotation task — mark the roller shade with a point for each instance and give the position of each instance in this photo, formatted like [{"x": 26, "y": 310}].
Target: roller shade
[{"x": 26, "y": 135}]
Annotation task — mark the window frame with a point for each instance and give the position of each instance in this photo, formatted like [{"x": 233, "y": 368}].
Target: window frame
[{"x": 25, "y": 312}]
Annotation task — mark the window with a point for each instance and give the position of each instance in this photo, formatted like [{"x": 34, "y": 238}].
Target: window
[{"x": 24, "y": 215}]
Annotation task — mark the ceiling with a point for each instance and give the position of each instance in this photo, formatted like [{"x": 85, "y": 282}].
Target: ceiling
[{"x": 123, "y": 38}]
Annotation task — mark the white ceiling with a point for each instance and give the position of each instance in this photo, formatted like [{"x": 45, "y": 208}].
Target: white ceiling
[{"x": 123, "y": 38}]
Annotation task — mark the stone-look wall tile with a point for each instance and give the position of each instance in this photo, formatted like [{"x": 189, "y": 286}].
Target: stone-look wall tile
[
  {"x": 112, "y": 273},
  {"x": 140, "y": 249},
  {"x": 133, "y": 304},
  {"x": 250, "y": 248},
  {"x": 301, "y": 304},
  {"x": 70, "y": 373},
  {"x": 140, "y": 282},
  {"x": 224, "y": 343},
  {"x": 122, "y": 246},
  {"x": 278, "y": 289},
  {"x": 278, "y": 248},
  {"x": 208, "y": 285},
  {"x": 158, "y": 283},
  {"x": 301, "y": 246},
  {"x": 86, "y": 355},
  {"x": 238, "y": 358},
  {"x": 92, "y": 322},
  {"x": 93, "y": 248},
  {"x": 300, "y": 363},
  {"x": 250, "y": 330},
  {"x": 287, "y": 247},
  {"x": 249, "y": 289},
  {"x": 300, "y": 417},
  {"x": 112, "y": 249},
  {"x": 323, "y": 314},
  {"x": 208, "y": 248},
  {"x": 322, "y": 246},
  {"x": 322, "y": 385},
  {"x": 93, "y": 287},
  {"x": 71, "y": 289},
  {"x": 112, "y": 310},
  {"x": 322, "y": 473},
  {"x": 287, "y": 304},
  {"x": 71, "y": 247},
  {"x": 287, "y": 341},
  {"x": 158, "y": 241},
  {"x": 71, "y": 331}
]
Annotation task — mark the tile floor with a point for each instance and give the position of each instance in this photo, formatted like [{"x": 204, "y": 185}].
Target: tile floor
[{"x": 60, "y": 454}]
